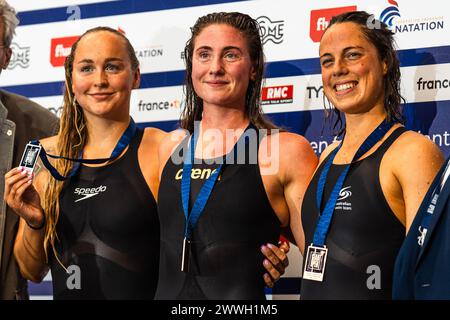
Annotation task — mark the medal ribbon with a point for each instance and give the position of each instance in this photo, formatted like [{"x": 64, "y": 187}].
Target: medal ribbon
[
  {"x": 205, "y": 192},
  {"x": 123, "y": 142},
  {"x": 325, "y": 217}
]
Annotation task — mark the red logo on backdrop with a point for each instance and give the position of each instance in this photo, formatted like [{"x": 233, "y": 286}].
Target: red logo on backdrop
[
  {"x": 277, "y": 95},
  {"x": 60, "y": 49},
  {"x": 321, "y": 18}
]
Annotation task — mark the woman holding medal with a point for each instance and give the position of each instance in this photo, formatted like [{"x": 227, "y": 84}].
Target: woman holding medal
[
  {"x": 367, "y": 188},
  {"x": 100, "y": 232},
  {"x": 215, "y": 210},
  {"x": 100, "y": 237}
]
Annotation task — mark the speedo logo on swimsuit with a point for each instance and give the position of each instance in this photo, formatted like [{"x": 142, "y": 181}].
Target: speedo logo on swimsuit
[{"x": 86, "y": 193}]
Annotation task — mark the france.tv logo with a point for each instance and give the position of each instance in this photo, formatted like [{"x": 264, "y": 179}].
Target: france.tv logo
[{"x": 388, "y": 14}]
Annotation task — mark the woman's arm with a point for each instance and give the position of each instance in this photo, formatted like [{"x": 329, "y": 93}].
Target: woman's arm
[
  {"x": 23, "y": 194},
  {"x": 407, "y": 172}
]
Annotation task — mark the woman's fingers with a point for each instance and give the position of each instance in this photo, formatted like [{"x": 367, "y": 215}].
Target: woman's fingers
[
  {"x": 22, "y": 186},
  {"x": 17, "y": 181},
  {"x": 14, "y": 179},
  {"x": 268, "y": 280},
  {"x": 275, "y": 263}
]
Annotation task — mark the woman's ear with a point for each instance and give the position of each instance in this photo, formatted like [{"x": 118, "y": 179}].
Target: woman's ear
[
  {"x": 385, "y": 68},
  {"x": 137, "y": 79},
  {"x": 253, "y": 74}
]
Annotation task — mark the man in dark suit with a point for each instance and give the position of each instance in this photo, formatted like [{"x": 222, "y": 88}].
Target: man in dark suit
[
  {"x": 422, "y": 269},
  {"x": 21, "y": 120}
]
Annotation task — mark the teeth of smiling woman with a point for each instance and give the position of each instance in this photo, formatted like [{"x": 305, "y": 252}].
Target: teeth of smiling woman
[{"x": 344, "y": 86}]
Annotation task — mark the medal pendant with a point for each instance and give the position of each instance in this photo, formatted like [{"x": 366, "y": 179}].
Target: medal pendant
[
  {"x": 30, "y": 157},
  {"x": 315, "y": 261},
  {"x": 185, "y": 255}
]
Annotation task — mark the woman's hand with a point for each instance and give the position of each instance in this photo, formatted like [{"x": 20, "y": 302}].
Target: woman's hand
[
  {"x": 276, "y": 262},
  {"x": 22, "y": 197}
]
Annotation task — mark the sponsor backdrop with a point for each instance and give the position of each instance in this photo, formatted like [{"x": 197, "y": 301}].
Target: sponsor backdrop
[{"x": 290, "y": 30}]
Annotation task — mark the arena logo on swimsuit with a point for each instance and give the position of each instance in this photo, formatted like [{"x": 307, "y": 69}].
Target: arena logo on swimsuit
[
  {"x": 197, "y": 173},
  {"x": 320, "y": 19}
]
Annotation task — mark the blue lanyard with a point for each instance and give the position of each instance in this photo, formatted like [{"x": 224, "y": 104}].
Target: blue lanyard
[
  {"x": 425, "y": 224},
  {"x": 325, "y": 217},
  {"x": 205, "y": 191},
  {"x": 123, "y": 142}
]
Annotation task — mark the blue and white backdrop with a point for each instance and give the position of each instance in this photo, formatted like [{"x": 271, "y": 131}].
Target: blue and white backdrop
[{"x": 290, "y": 31}]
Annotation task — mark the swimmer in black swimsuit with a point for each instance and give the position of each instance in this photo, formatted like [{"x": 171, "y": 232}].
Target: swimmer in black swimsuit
[
  {"x": 375, "y": 203},
  {"x": 249, "y": 202}
]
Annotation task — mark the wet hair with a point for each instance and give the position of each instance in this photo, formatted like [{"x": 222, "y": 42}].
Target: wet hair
[
  {"x": 10, "y": 22},
  {"x": 250, "y": 30},
  {"x": 377, "y": 33},
  {"x": 72, "y": 136}
]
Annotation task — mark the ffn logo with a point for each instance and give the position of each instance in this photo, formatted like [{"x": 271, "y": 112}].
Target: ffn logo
[
  {"x": 60, "y": 48},
  {"x": 321, "y": 18},
  {"x": 390, "y": 13}
]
